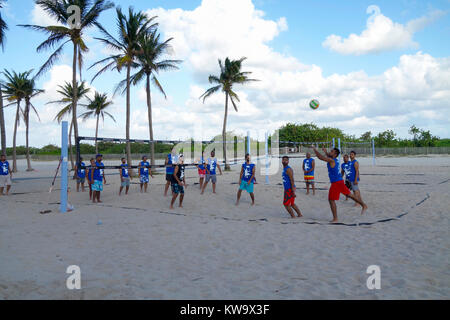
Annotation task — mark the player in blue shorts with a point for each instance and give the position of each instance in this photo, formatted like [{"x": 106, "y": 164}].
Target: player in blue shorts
[
  {"x": 144, "y": 172},
  {"x": 5, "y": 175},
  {"x": 90, "y": 178},
  {"x": 98, "y": 178},
  {"x": 81, "y": 175},
  {"x": 178, "y": 182},
  {"x": 246, "y": 179},
  {"x": 124, "y": 177}
]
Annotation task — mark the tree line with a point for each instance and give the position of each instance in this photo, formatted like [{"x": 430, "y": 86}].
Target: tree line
[{"x": 309, "y": 132}]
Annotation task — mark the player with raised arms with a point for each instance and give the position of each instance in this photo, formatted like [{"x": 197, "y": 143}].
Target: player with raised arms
[{"x": 337, "y": 183}]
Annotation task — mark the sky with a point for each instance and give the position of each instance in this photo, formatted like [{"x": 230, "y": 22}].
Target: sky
[{"x": 372, "y": 65}]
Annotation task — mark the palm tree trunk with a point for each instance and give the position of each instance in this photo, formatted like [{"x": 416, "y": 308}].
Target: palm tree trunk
[
  {"x": 27, "y": 130},
  {"x": 150, "y": 124},
  {"x": 127, "y": 129},
  {"x": 14, "y": 137},
  {"x": 2, "y": 124},
  {"x": 96, "y": 134},
  {"x": 224, "y": 133},
  {"x": 75, "y": 91}
]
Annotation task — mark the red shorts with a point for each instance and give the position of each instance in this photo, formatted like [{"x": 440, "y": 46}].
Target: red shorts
[
  {"x": 336, "y": 189},
  {"x": 202, "y": 173},
  {"x": 289, "y": 198}
]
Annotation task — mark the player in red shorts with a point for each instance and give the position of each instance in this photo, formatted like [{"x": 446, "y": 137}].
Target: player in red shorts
[
  {"x": 289, "y": 189},
  {"x": 337, "y": 183}
]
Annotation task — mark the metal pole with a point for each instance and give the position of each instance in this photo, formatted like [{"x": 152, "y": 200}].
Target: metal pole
[
  {"x": 334, "y": 144},
  {"x": 64, "y": 173},
  {"x": 373, "y": 151},
  {"x": 248, "y": 142},
  {"x": 267, "y": 157}
]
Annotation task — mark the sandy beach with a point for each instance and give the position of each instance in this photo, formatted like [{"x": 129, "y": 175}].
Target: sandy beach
[{"x": 211, "y": 249}]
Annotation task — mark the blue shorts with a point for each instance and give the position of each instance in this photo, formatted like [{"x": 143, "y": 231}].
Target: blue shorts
[
  {"x": 97, "y": 186},
  {"x": 143, "y": 179},
  {"x": 247, "y": 187},
  {"x": 176, "y": 188}
]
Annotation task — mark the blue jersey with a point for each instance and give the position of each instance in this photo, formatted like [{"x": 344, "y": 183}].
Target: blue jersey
[
  {"x": 81, "y": 172},
  {"x": 125, "y": 170},
  {"x": 286, "y": 180},
  {"x": 144, "y": 168},
  {"x": 308, "y": 166},
  {"x": 248, "y": 171},
  {"x": 333, "y": 173},
  {"x": 4, "y": 168},
  {"x": 99, "y": 171},
  {"x": 346, "y": 167},
  {"x": 170, "y": 169},
  {"x": 353, "y": 171},
  {"x": 201, "y": 166},
  {"x": 212, "y": 165}
]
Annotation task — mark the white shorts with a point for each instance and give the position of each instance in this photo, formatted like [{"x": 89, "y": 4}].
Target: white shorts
[{"x": 5, "y": 181}]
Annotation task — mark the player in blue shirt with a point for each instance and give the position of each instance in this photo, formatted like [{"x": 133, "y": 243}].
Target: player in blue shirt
[
  {"x": 354, "y": 176},
  {"x": 289, "y": 189},
  {"x": 98, "y": 178},
  {"x": 81, "y": 175},
  {"x": 90, "y": 170},
  {"x": 5, "y": 175},
  {"x": 170, "y": 162},
  {"x": 337, "y": 183},
  {"x": 345, "y": 172},
  {"x": 309, "y": 164},
  {"x": 246, "y": 179},
  {"x": 124, "y": 176},
  {"x": 144, "y": 172},
  {"x": 211, "y": 165}
]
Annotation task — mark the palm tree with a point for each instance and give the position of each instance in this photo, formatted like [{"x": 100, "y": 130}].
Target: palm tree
[
  {"x": 90, "y": 11},
  {"x": 230, "y": 74},
  {"x": 66, "y": 102},
  {"x": 30, "y": 92},
  {"x": 97, "y": 108},
  {"x": 14, "y": 89},
  {"x": 127, "y": 46},
  {"x": 3, "y": 28},
  {"x": 150, "y": 63}
]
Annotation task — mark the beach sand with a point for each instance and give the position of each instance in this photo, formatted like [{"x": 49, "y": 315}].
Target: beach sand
[{"x": 211, "y": 249}]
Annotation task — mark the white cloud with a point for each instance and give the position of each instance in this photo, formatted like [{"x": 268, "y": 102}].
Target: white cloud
[
  {"x": 381, "y": 34},
  {"x": 42, "y": 18}
]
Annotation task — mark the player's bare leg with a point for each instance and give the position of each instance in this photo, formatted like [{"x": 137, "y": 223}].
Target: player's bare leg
[
  {"x": 1, "y": 191},
  {"x": 238, "y": 196},
  {"x": 357, "y": 194},
  {"x": 201, "y": 182},
  {"x": 314, "y": 189},
  {"x": 174, "y": 197},
  {"x": 166, "y": 188},
  {"x": 181, "y": 200},
  {"x": 307, "y": 188},
  {"x": 333, "y": 211},
  {"x": 290, "y": 211},
  {"x": 126, "y": 190},
  {"x": 214, "y": 187},
  {"x": 204, "y": 187},
  {"x": 363, "y": 205},
  {"x": 252, "y": 195},
  {"x": 299, "y": 214},
  {"x": 120, "y": 190}
]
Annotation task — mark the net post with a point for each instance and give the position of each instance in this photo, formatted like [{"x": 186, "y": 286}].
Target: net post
[
  {"x": 334, "y": 145},
  {"x": 64, "y": 174},
  {"x": 248, "y": 142},
  {"x": 373, "y": 152},
  {"x": 267, "y": 157}
]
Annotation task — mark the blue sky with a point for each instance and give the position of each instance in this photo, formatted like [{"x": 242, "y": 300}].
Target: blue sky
[{"x": 390, "y": 82}]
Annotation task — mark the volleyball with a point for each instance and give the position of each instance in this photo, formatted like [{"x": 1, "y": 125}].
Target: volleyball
[{"x": 314, "y": 104}]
